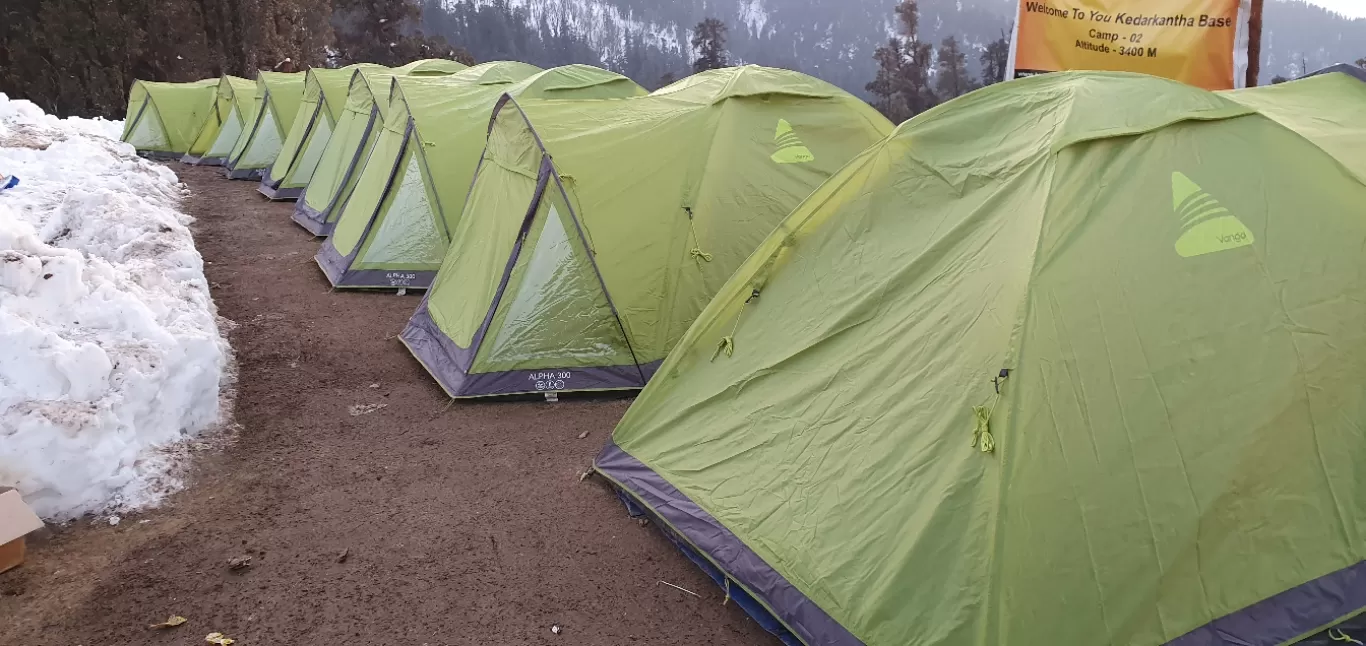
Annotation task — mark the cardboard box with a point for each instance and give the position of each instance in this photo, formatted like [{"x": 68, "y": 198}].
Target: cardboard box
[{"x": 16, "y": 522}]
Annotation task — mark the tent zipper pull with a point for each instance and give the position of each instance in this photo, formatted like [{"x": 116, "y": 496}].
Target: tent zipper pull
[
  {"x": 981, "y": 435},
  {"x": 727, "y": 344},
  {"x": 981, "y": 432},
  {"x": 697, "y": 242}
]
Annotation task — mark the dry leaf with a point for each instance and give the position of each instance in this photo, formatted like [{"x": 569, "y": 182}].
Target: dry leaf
[
  {"x": 174, "y": 621},
  {"x": 218, "y": 638}
]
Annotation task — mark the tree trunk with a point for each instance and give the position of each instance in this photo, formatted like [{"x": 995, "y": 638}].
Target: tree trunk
[{"x": 1254, "y": 43}]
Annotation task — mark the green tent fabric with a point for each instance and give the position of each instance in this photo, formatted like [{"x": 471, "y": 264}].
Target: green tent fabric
[
  {"x": 163, "y": 118},
  {"x": 321, "y": 105},
  {"x": 224, "y": 124},
  {"x": 1074, "y": 359},
  {"x": 1329, "y": 110},
  {"x": 367, "y": 107},
  {"x": 278, "y": 95},
  {"x": 596, "y": 231},
  {"x": 393, "y": 231}
]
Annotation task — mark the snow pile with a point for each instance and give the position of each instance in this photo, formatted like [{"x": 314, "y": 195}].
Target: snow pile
[{"x": 110, "y": 352}]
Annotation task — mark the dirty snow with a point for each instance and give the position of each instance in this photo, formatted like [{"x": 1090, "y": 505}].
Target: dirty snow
[{"x": 110, "y": 351}]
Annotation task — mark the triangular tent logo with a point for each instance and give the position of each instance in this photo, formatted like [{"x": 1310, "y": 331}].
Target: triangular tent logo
[
  {"x": 791, "y": 150},
  {"x": 1207, "y": 227}
]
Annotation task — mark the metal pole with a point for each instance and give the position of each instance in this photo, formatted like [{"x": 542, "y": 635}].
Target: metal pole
[{"x": 1254, "y": 43}]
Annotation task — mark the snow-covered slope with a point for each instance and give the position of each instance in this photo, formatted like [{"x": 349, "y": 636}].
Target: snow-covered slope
[{"x": 110, "y": 351}]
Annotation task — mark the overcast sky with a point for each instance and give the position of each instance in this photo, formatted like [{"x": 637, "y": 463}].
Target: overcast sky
[{"x": 1353, "y": 8}]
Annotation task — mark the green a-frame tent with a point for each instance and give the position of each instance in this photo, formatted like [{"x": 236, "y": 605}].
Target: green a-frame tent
[
  {"x": 321, "y": 105},
  {"x": 366, "y": 108},
  {"x": 596, "y": 231},
  {"x": 163, "y": 119},
  {"x": 277, "y": 99},
  {"x": 224, "y": 124},
  {"x": 394, "y": 229}
]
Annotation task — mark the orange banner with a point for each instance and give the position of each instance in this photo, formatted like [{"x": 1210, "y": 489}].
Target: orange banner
[{"x": 1200, "y": 42}]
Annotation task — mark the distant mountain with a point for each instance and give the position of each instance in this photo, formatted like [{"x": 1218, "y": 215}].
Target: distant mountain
[
  {"x": 831, "y": 39},
  {"x": 1299, "y": 36}
]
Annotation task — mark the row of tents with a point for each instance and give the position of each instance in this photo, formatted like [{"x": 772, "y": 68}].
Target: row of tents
[
  {"x": 602, "y": 218},
  {"x": 1072, "y": 359}
]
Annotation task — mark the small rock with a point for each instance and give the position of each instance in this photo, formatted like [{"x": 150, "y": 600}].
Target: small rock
[
  {"x": 555, "y": 628},
  {"x": 239, "y": 563},
  {"x": 365, "y": 409},
  {"x": 583, "y": 435},
  {"x": 346, "y": 553},
  {"x": 374, "y": 386},
  {"x": 114, "y": 521}
]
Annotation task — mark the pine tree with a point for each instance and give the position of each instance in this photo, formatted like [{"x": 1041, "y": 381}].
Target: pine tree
[
  {"x": 885, "y": 87},
  {"x": 79, "y": 57},
  {"x": 910, "y": 71},
  {"x": 709, "y": 43},
  {"x": 385, "y": 31},
  {"x": 902, "y": 85},
  {"x": 994, "y": 60},
  {"x": 953, "y": 79},
  {"x": 915, "y": 76}
]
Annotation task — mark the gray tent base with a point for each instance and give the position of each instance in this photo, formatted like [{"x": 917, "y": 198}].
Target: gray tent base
[
  {"x": 157, "y": 155},
  {"x": 706, "y": 542},
  {"x": 245, "y": 174},
  {"x": 444, "y": 360},
  {"x": 338, "y": 270},
  {"x": 311, "y": 220},
  {"x": 202, "y": 161},
  {"x": 279, "y": 194},
  {"x": 270, "y": 187}
]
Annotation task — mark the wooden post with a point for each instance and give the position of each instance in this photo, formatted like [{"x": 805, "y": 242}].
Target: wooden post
[{"x": 1254, "y": 43}]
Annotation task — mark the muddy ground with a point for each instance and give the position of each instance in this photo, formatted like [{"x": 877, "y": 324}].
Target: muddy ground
[{"x": 421, "y": 523}]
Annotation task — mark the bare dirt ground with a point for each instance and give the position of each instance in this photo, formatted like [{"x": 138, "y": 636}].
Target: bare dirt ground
[{"x": 421, "y": 523}]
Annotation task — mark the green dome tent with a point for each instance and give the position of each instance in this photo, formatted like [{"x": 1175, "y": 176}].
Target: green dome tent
[
  {"x": 367, "y": 107},
  {"x": 163, "y": 118},
  {"x": 321, "y": 106},
  {"x": 1074, "y": 359},
  {"x": 1328, "y": 109},
  {"x": 224, "y": 124},
  {"x": 670, "y": 192},
  {"x": 277, "y": 99},
  {"x": 394, "y": 230}
]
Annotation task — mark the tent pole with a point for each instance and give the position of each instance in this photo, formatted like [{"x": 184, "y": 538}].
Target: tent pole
[{"x": 1254, "y": 43}]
